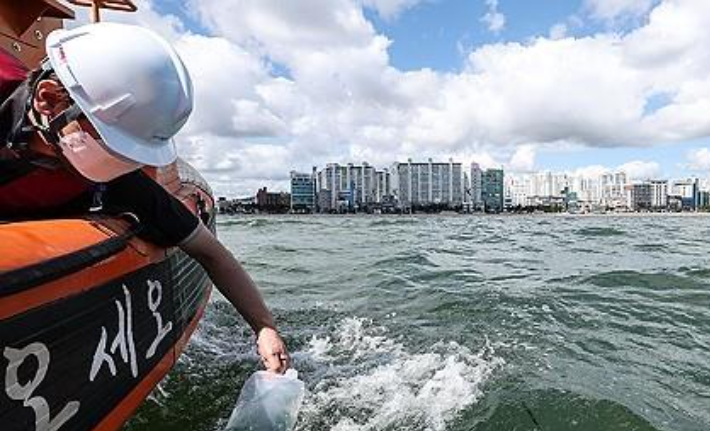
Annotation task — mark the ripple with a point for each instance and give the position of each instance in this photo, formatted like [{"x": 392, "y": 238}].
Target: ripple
[
  {"x": 557, "y": 410},
  {"x": 658, "y": 281},
  {"x": 652, "y": 247},
  {"x": 600, "y": 232},
  {"x": 386, "y": 222}
]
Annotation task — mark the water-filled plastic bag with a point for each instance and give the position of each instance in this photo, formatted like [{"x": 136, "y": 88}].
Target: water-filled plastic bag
[{"x": 268, "y": 402}]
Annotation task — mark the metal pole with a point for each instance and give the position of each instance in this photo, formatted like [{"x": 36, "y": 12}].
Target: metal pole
[{"x": 96, "y": 10}]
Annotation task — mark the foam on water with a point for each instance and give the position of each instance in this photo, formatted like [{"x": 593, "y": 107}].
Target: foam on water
[{"x": 371, "y": 381}]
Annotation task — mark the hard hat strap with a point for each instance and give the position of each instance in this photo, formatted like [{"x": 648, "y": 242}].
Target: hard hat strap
[
  {"x": 67, "y": 116},
  {"x": 26, "y": 126}
]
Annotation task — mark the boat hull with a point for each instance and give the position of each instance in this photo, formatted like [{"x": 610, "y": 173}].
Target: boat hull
[
  {"x": 92, "y": 317},
  {"x": 90, "y": 359}
]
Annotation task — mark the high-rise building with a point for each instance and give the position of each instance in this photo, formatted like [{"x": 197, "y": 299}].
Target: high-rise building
[
  {"x": 352, "y": 187},
  {"x": 639, "y": 196},
  {"x": 517, "y": 189},
  {"x": 613, "y": 189},
  {"x": 659, "y": 193},
  {"x": 383, "y": 186},
  {"x": 331, "y": 181},
  {"x": 688, "y": 191},
  {"x": 303, "y": 191},
  {"x": 492, "y": 190},
  {"x": 476, "y": 185},
  {"x": 428, "y": 183}
]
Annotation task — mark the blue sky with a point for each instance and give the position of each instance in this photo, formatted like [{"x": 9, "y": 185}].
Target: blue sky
[{"x": 431, "y": 34}]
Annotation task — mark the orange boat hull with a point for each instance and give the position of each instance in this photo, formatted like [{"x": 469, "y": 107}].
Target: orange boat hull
[{"x": 91, "y": 317}]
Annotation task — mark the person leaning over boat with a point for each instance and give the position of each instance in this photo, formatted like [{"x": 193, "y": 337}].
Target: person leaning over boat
[{"x": 106, "y": 102}]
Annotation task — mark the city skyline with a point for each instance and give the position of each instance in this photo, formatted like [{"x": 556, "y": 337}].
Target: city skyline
[
  {"x": 434, "y": 186},
  {"x": 589, "y": 172}
]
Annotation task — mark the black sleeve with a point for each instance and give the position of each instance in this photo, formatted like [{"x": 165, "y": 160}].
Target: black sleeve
[{"x": 166, "y": 221}]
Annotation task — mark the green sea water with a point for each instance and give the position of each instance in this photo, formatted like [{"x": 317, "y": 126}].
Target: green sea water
[{"x": 464, "y": 323}]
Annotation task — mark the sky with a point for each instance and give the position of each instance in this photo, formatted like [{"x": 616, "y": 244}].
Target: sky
[{"x": 580, "y": 86}]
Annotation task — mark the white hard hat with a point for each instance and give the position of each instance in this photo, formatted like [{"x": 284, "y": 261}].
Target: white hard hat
[{"x": 129, "y": 82}]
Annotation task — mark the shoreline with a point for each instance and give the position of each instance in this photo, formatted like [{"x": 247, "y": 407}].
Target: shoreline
[{"x": 500, "y": 215}]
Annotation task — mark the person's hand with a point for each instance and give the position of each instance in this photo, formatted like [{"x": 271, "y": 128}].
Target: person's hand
[{"x": 272, "y": 350}]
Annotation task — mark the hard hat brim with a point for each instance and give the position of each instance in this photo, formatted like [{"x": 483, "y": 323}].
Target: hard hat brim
[{"x": 156, "y": 152}]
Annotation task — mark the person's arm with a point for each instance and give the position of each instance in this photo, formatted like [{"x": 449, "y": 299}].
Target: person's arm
[{"x": 236, "y": 285}]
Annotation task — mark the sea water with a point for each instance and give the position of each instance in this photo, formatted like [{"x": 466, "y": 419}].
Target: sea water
[{"x": 433, "y": 323}]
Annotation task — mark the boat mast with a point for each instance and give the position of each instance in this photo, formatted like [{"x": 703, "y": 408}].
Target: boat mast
[{"x": 97, "y": 5}]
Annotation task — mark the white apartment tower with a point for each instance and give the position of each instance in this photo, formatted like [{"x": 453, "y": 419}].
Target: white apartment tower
[
  {"x": 428, "y": 183},
  {"x": 659, "y": 193}
]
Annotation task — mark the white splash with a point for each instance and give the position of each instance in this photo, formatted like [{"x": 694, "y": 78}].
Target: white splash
[{"x": 373, "y": 383}]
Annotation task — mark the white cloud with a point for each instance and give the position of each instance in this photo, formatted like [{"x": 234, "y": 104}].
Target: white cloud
[
  {"x": 523, "y": 160},
  {"x": 493, "y": 18},
  {"x": 558, "y": 31},
  {"x": 591, "y": 172},
  {"x": 699, "y": 160},
  {"x": 641, "y": 170},
  {"x": 612, "y": 10},
  {"x": 224, "y": 88},
  {"x": 485, "y": 160},
  {"x": 390, "y": 9},
  {"x": 636, "y": 170}
]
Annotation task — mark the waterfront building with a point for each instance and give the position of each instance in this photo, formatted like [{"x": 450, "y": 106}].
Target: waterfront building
[
  {"x": 537, "y": 189},
  {"x": 324, "y": 200},
  {"x": 518, "y": 189},
  {"x": 330, "y": 181},
  {"x": 689, "y": 193},
  {"x": 639, "y": 196},
  {"x": 659, "y": 194},
  {"x": 352, "y": 185},
  {"x": 423, "y": 184},
  {"x": 587, "y": 189},
  {"x": 492, "y": 190},
  {"x": 613, "y": 189},
  {"x": 303, "y": 192},
  {"x": 704, "y": 200},
  {"x": 267, "y": 201},
  {"x": 476, "y": 186},
  {"x": 549, "y": 185},
  {"x": 383, "y": 186}
]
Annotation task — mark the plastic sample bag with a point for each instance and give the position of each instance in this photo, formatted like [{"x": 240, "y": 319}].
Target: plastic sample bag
[{"x": 268, "y": 402}]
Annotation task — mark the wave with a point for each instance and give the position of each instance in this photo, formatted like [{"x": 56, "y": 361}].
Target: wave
[
  {"x": 398, "y": 221},
  {"x": 561, "y": 410},
  {"x": 651, "y": 247},
  {"x": 656, "y": 281},
  {"x": 600, "y": 232},
  {"x": 698, "y": 273},
  {"x": 265, "y": 221},
  {"x": 370, "y": 381},
  {"x": 408, "y": 259}
]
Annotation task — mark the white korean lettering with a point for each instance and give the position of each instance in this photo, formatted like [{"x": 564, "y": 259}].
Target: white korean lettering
[
  {"x": 100, "y": 356},
  {"x": 19, "y": 392},
  {"x": 123, "y": 342},
  {"x": 154, "y": 287}
]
